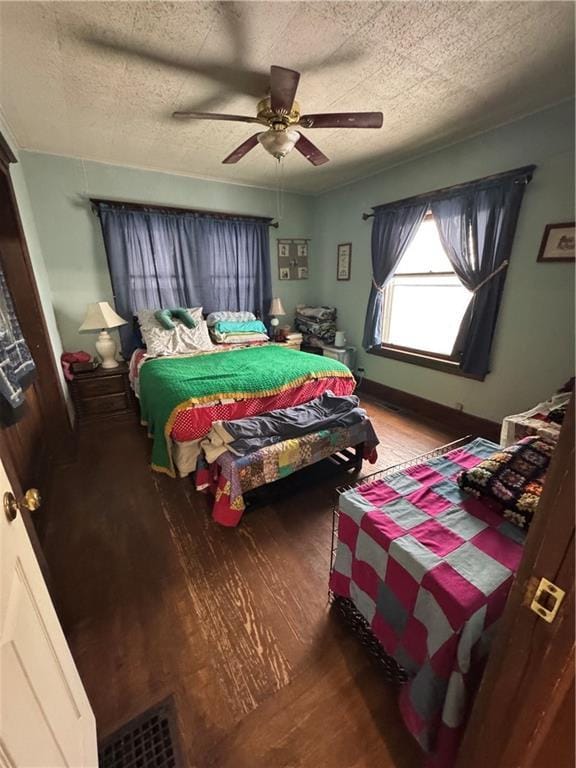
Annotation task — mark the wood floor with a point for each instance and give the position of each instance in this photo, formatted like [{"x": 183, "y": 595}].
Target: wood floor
[{"x": 157, "y": 599}]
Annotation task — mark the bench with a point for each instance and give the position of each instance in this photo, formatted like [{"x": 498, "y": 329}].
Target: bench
[{"x": 230, "y": 476}]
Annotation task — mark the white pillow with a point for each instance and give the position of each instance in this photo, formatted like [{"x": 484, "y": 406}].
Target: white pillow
[
  {"x": 178, "y": 341},
  {"x": 240, "y": 317}
]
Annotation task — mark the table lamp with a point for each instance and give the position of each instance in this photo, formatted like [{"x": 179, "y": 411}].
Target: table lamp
[
  {"x": 99, "y": 317},
  {"x": 275, "y": 310}
]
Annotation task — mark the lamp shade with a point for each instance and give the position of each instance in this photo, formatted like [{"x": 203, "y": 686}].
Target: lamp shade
[
  {"x": 100, "y": 315},
  {"x": 276, "y": 307}
]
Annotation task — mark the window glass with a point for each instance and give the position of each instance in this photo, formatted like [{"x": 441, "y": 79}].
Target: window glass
[
  {"x": 425, "y": 253},
  {"x": 424, "y": 303}
]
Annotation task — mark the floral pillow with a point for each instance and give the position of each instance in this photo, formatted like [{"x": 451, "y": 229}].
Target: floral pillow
[
  {"x": 512, "y": 477},
  {"x": 180, "y": 340}
]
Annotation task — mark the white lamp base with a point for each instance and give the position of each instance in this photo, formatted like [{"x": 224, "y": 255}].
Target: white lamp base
[
  {"x": 274, "y": 322},
  {"x": 106, "y": 348}
]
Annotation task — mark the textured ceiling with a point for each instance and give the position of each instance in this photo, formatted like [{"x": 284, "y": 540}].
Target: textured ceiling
[{"x": 76, "y": 78}]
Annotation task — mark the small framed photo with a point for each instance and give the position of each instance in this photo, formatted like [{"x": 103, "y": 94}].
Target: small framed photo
[
  {"x": 557, "y": 243},
  {"x": 284, "y": 273},
  {"x": 302, "y": 273},
  {"x": 283, "y": 250},
  {"x": 343, "y": 267},
  {"x": 303, "y": 250}
]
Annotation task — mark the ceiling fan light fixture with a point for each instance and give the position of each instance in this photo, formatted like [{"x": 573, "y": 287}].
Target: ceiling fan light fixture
[{"x": 278, "y": 143}]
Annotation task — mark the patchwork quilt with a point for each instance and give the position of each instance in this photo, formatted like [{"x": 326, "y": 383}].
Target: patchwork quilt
[
  {"x": 229, "y": 477},
  {"x": 429, "y": 568}
]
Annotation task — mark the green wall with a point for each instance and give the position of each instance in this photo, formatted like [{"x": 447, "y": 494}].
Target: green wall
[
  {"x": 533, "y": 353},
  {"x": 72, "y": 241}
]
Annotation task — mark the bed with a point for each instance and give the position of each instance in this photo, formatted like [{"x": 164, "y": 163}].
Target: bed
[
  {"x": 180, "y": 396},
  {"x": 427, "y": 570}
]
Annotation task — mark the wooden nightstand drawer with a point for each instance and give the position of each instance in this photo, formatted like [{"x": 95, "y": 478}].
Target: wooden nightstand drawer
[
  {"x": 103, "y": 404},
  {"x": 102, "y": 393},
  {"x": 104, "y": 385}
]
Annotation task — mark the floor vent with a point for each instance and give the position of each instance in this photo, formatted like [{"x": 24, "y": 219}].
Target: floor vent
[{"x": 148, "y": 741}]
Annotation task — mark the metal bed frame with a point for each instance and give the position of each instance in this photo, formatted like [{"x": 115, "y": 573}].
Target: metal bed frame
[{"x": 393, "y": 672}]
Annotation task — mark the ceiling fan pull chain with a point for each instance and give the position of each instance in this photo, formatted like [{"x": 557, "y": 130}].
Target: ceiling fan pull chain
[
  {"x": 279, "y": 189},
  {"x": 277, "y": 172}
]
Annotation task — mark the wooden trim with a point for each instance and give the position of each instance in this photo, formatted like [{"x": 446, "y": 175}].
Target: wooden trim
[
  {"x": 425, "y": 274},
  {"x": 451, "y": 419},
  {"x": 132, "y": 206},
  {"x": 530, "y": 670},
  {"x": 24, "y": 290},
  {"x": 424, "y": 352},
  {"x": 547, "y": 230},
  {"x": 423, "y": 359},
  {"x": 437, "y": 194},
  {"x": 6, "y": 155}
]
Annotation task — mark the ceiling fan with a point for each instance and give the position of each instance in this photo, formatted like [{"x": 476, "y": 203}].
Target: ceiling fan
[{"x": 281, "y": 113}]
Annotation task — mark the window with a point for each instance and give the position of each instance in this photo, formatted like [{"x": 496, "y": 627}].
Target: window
[{"x": 424, "y": 302}]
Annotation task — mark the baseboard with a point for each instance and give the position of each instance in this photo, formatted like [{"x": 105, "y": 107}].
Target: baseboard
[{"x": 459, "y": 421}]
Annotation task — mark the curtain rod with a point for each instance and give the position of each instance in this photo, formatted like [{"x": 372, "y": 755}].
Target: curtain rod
[
  {"x": 131, "y": 206},
  {"x": 526, "y": 171}
]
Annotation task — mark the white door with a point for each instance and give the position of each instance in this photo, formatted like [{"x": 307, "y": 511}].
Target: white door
[{"x": 45, "y": 718}]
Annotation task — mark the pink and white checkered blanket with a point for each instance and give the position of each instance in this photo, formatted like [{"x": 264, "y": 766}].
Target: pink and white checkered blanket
[{"x": 429, "y": 568}]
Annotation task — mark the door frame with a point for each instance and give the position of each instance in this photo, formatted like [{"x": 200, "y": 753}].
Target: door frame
[
  {"x": 529, "y": 676},
  {"x": 22, "y": 283}
]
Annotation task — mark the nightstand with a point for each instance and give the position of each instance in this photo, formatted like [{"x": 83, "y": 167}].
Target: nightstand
[{"x": 102, "y": 392}]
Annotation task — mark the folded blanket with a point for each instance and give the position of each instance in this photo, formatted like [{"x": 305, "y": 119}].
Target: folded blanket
[
  {"x": 238, "y": 338},
  {"x": 239, "y": 326},
  {"x": 214, "y": 317},
  {"x": 316, "y": 324},
  {"x": 317, "y": 313},
  {"x": 244, "y": 436}
]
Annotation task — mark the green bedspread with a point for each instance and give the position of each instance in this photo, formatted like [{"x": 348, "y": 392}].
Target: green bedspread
[{"x": 169, "y": 385}]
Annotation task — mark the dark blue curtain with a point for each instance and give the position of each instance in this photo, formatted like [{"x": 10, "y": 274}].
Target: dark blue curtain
[
  {"x": 392, "y": 232},
  {"x": 477, "y": 228},
  {"x": 163, "y": 259}
]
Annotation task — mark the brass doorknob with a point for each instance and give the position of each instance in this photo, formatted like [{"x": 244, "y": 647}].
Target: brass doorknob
[
  {"x": 10, "y": 506},
  {"x": 31, "y": 501}
]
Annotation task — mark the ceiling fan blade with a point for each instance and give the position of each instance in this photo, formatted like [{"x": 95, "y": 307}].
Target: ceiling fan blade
[
  {"x": 242, "y": 150},
  {"x": 216, "y": 116},
  {"x": 311, "y": 151},
  {"x": 343, "y": 120},
  {"x": 283, "y": 85}
]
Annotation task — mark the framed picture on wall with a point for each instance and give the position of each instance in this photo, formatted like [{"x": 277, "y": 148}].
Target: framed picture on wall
[
  {"x": 557, "y": 242},
  {"x": 293, "y": 259},
  {"x": 344, "y": 261}
]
